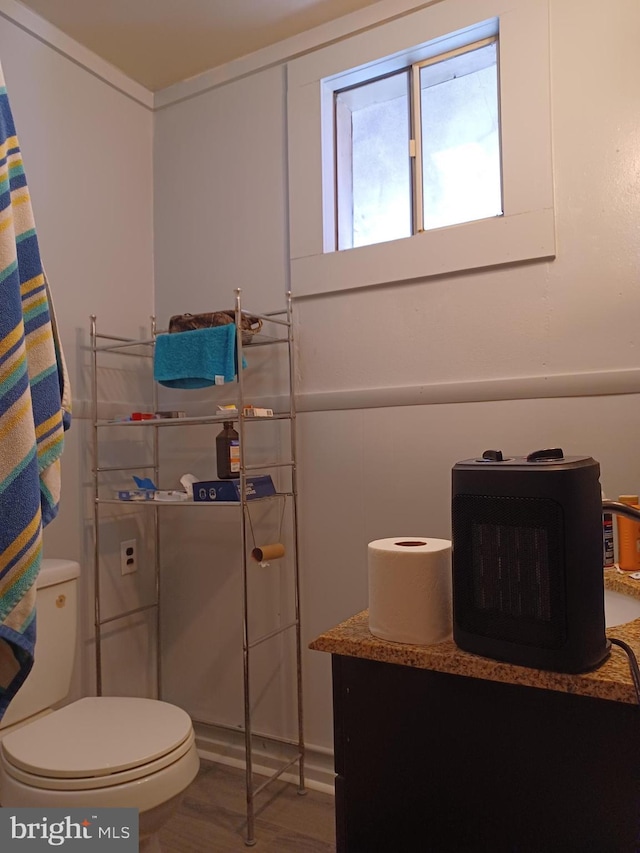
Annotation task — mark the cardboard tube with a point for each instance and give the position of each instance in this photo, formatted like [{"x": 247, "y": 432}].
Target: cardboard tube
[{"x": 268, "y": 552}]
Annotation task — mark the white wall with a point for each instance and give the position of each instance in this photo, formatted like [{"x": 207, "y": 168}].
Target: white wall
[
  {"x": 571, "y": 314},
  {"x": 88, "y": 159},
  {"x": 384, "y": 471},
  {"x": 220, "y": 212}
]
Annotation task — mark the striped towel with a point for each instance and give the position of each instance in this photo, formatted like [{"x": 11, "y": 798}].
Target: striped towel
[{"x": 34, "y": 411}]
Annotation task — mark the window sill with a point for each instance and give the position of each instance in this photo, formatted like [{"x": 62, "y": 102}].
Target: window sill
[{"x": 472, "y": 245}]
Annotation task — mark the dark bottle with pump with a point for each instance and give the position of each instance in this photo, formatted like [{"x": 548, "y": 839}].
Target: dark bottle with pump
[{"x": 228, "y": 452}]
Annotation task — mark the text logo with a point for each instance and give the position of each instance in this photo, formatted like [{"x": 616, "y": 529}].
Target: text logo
[{"x": 104, "y": 829}]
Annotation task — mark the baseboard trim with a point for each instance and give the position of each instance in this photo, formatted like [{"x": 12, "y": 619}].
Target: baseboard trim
[{"x": 226, "y": 746}]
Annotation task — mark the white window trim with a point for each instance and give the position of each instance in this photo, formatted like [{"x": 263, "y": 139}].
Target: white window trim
[{"x": 526, "y": 231}]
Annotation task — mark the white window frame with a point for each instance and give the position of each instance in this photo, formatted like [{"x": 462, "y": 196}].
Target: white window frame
[{"x": 525, "y": 231}]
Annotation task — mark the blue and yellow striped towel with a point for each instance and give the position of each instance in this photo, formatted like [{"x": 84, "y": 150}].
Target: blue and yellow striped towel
[{"x": 34, "y": 411}]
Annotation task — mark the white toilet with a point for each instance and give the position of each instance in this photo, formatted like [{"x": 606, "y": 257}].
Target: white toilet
[{"x": 98, "y": 751}]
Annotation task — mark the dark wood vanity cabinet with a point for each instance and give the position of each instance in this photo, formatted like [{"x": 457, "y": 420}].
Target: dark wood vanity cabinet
[{"x": 428, "y": 762}]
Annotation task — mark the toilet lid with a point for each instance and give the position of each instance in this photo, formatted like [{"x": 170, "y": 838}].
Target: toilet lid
[{"x": 97, "y": 736}]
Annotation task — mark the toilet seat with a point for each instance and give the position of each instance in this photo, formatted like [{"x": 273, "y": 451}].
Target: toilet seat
[
  {"x": 130, "y": 752},
  {"x": 98, "y": 742}
]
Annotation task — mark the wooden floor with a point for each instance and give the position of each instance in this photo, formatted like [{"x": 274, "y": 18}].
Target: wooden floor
[{"x": 212, "y": 817}]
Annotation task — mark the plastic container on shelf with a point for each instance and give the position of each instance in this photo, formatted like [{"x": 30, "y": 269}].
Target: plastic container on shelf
[{"x": 628, "y": 537}]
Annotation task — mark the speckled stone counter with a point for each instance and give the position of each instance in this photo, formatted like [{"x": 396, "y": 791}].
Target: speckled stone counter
[{"x": 611, "y": 680}]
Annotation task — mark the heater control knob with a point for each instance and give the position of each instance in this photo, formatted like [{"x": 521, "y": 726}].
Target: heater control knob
[
  {"x": 492, "y": 456},
  {"x": 547, "y": 455}
]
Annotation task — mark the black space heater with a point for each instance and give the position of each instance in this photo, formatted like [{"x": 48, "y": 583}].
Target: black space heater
[{"x": 528, "y": 560}]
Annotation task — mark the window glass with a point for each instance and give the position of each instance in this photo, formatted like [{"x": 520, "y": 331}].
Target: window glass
[
  {"x": 454, "y": 102},
  {"x": 460, "y": 138},
  {"x": 373, "y": 168}
]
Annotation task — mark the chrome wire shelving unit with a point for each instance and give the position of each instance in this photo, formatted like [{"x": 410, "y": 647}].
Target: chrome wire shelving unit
[{"x": 103, "y": 344}]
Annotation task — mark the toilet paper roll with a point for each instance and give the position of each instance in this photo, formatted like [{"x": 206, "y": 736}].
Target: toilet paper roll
[
  {"x": 268, "y": 552},
  {"x": 410, "y": 589}
]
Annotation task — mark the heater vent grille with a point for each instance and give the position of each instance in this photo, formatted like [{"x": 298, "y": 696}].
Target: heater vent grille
[
  {"x": 511, "y": 570},
  {"x": 508, "y": 567}
]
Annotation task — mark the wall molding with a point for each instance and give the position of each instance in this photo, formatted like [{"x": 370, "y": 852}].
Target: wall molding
[
  {"x": 276, "y": 54},
  {"x": 72, "y": 50},
  {"x": 597, "y": 383},
  {"x": 593, "y": 384},
  {"x": 283, "y": 51}
]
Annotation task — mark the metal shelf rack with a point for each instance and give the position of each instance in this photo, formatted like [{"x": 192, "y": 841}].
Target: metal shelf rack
[{"x": 102, "y": 344}]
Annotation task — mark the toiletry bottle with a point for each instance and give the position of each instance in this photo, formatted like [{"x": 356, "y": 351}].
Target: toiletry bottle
[
  {"x": 607, "y": 538},
  {"x": 228, "y": 452},
  {"x": 628, "y": 537}
]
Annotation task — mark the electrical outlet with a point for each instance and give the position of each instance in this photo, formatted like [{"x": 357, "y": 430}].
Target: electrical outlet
[{"x": 129, "y": 556}]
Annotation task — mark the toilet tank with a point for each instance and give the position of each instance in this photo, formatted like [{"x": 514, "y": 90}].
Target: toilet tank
[{"x": 56, "y": 628}]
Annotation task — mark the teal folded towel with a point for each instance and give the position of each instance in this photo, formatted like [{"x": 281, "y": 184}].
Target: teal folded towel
[{"x": 196, "y": 359}]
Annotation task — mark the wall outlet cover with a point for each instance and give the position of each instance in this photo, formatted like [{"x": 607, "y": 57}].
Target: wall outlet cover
[{"x": 129, "y": 556}]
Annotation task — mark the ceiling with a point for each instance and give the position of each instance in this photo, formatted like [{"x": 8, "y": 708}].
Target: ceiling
[{"x": 160, "y": 42}]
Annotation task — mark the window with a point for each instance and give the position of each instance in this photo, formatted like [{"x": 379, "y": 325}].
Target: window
[
  {"x": 475, "y": 187},
  {"x": 418, "y": 148},
  {"x": 373, "y": 170},
  {"x": 460, "y": 136}
]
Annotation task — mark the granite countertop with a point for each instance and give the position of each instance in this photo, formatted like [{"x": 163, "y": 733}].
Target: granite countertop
[{"x": 611, "y": 680}]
